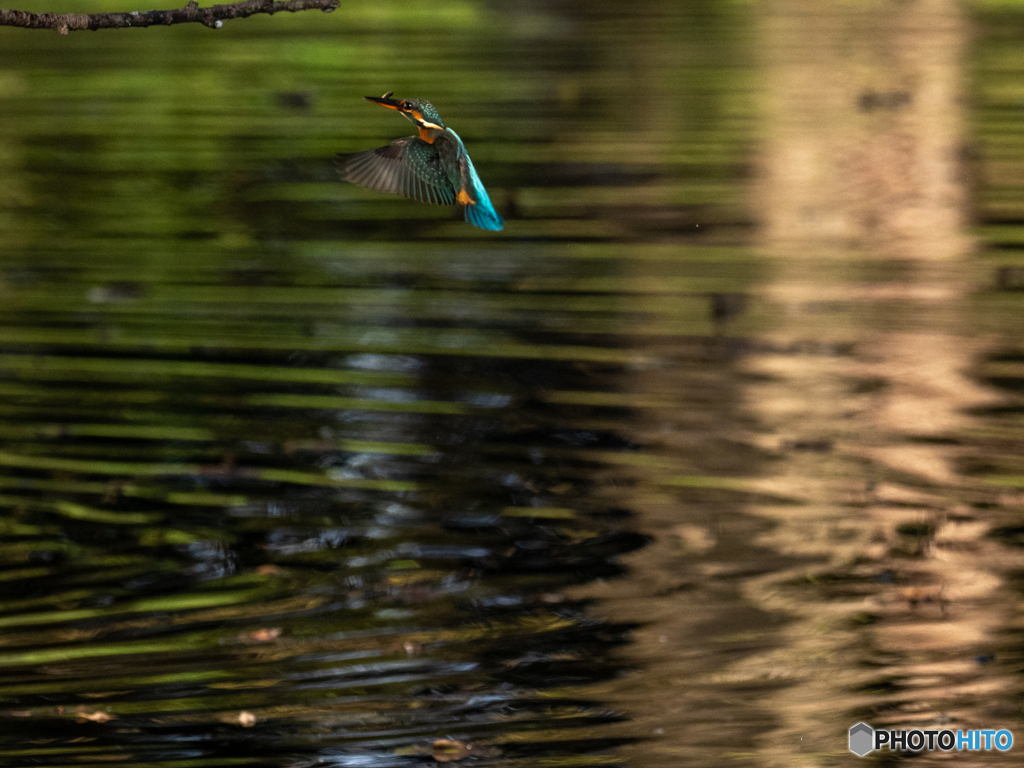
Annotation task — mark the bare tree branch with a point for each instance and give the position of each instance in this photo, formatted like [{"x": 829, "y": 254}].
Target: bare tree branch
[{"x": 212, "y": 16}]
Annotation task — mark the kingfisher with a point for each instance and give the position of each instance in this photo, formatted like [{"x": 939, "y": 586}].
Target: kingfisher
[{"x": 432, "y": 167}]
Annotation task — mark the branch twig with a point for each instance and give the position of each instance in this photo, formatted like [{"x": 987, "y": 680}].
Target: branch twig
[{"x": 213, "y": 16}]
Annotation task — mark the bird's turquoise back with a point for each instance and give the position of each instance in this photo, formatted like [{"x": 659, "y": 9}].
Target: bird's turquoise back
[{"x": 481, "y": 214}]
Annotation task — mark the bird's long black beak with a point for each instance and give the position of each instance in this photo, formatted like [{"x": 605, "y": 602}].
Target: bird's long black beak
[{"x": 386, "y": 101}]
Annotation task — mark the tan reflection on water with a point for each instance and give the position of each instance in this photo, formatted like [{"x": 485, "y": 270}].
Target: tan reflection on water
[
  {"x": 864, "y": 127},
  {"x": 855, "y": 581}
]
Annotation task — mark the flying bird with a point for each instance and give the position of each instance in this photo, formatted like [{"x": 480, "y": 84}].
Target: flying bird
[{"x": 432, "y": 167}]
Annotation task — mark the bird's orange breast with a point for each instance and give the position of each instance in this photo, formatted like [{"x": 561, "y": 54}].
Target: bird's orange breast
[{"x": 464, "y": 198}]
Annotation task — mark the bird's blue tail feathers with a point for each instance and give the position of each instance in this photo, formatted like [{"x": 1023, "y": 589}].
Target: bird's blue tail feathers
[{"x": 482, "y": 214}]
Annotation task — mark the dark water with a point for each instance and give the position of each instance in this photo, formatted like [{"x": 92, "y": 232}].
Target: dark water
[{"x": 293, "y": 473}]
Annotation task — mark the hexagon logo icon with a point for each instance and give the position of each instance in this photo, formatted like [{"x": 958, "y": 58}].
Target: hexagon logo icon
[{"x": 862, "y": 737}]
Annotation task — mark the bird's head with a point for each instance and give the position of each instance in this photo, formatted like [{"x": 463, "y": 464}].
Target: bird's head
[{"x": 420, "y": 112}]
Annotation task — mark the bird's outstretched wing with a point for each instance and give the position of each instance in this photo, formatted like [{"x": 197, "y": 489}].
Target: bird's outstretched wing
[{"x": 409, "y": 167}]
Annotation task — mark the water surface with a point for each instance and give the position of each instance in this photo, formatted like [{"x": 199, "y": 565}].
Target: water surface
[{"x": 294, "y": 473}]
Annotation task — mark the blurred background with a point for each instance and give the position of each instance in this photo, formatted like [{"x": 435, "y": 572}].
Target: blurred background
[{"x": 714, "y": 451}]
